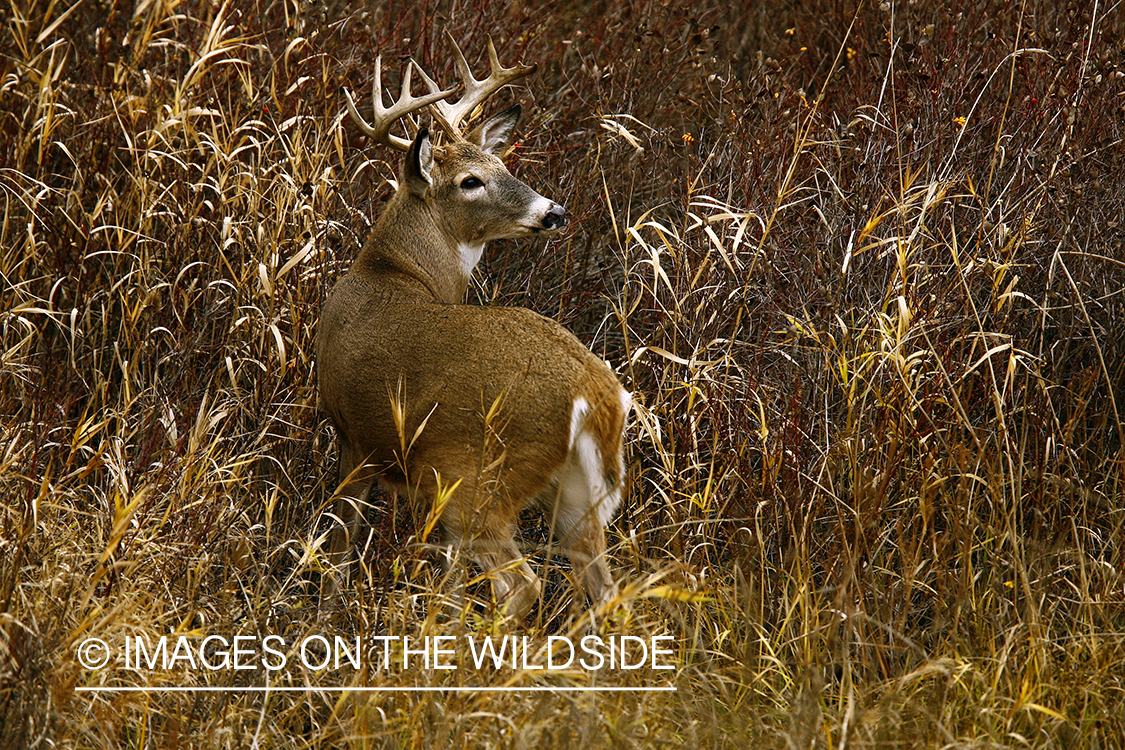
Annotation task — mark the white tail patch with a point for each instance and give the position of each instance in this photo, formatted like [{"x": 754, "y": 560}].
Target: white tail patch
[
  {"x": 582, "y": 477},
  {"x": 626, "y": 406},
  {"x": 578, "y": 414}
]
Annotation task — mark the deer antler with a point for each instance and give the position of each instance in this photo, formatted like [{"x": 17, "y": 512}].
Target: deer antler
[
  {"x": 404, "y": 106},
  {"x": 451, "y": 116}
]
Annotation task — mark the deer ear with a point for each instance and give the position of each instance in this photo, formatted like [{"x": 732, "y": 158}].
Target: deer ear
[
  {"x": 419, "y": 163},
  {"x": 494, "y": 135}
]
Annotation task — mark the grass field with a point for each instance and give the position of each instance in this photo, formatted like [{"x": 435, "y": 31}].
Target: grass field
[{"x": 861, "y": 263}]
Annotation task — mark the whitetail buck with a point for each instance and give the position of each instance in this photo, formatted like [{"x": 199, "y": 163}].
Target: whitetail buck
[{"x": 425, "y": 391}]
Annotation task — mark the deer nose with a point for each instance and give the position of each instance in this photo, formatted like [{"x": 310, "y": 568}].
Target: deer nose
[{"x": 555, "y": 217}]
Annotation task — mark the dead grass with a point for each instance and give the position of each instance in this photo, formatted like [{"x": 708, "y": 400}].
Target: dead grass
[{"x": 861, "y": 264}]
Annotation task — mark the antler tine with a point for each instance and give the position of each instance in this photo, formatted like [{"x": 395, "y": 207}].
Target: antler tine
[
  {"x": 435, "y": 111},
  {"x": 403, "y": 107},
  {"x": 451, "y": 116}
]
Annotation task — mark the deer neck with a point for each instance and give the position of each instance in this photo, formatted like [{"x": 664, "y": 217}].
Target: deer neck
[{"x": 410, "y": 239}]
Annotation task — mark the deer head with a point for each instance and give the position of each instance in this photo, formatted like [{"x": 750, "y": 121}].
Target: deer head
[{"x": 465, "y": 182}]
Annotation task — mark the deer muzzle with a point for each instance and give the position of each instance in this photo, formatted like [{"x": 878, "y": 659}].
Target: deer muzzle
[{"x": 555, "y": 218}]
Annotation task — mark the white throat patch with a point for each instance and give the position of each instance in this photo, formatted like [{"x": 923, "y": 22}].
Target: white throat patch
[{"x": 470, "y": 256}]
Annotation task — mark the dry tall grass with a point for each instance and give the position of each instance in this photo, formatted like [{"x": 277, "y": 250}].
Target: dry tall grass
[{"x": 862, "y": 264}]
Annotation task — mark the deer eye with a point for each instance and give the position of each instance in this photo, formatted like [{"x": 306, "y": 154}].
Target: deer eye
[{"x": 471, "y": 183}]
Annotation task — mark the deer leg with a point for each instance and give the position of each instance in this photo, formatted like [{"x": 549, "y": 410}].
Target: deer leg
[
  {"x": 352, "y": 499},
  {"x": 583, "y": 505},
  {"x": 514, "y": 585},
  {"x": 583, "y": 542},
  {"x": 452, "y": 569}
]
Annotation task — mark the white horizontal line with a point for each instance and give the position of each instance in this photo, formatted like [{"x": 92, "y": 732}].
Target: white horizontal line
[{"x": 293, "y": 689}]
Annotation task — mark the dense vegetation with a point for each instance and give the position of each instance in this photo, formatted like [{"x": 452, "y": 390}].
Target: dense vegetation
[{"x": 861, "y": 264}]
